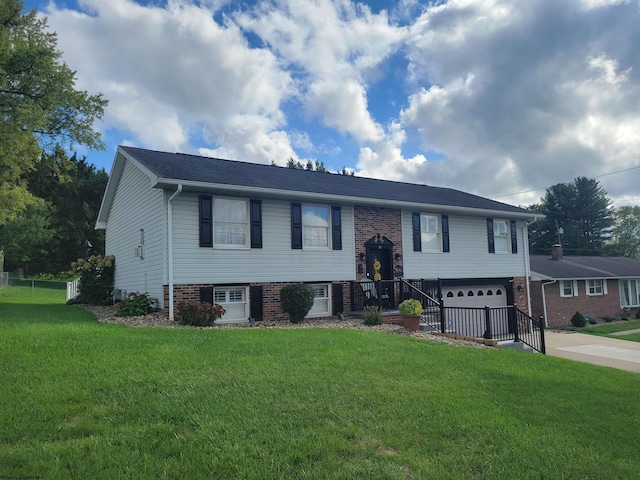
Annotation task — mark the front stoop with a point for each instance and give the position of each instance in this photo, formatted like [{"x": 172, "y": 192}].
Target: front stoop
[{"x": 523, "y": 347}]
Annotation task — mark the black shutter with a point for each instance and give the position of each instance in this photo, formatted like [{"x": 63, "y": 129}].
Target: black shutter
[
  {"x": 336, "y": 228},
  {"x": 514, "y": 237},
  {"x": 445, "y": 232},
  {"x": 417, "y": 237},
  {"x": 256, "y": 223},
  {"x": 337, "y": 298},
  {"x": 296, "y": 225},
  {"x": 492, "y": 246},
  {"x": 206, "y": 294},
  {"x": 255, "y": 305},
  {"x": 206, "y": 221}
]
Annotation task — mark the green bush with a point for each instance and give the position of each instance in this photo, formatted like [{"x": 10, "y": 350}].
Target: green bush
[
  {"x": 136, "y": 304},
  {"x": 198, "y": 314},
  {"x": 96, "y": 279},
  {"x": 372, "y": 316},
  {"x": 410, "y": 307},
  {"x": 638, "y": 314},
  {"x": 297, "y": 300},
  {"x": 608, "y": 318},
  {"x": 578, "y": 320}
]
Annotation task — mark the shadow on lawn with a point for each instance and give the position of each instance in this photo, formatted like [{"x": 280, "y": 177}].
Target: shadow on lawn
[{"x": 43, "y": 313}]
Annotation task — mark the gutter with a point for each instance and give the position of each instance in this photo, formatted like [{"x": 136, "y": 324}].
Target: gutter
[
  {"x": 544, "y": 302},
  {"x": 170, "y": 232},
  {"x": 332, "y": 197}
]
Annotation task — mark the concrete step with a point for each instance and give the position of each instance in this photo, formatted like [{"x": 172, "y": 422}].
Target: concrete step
[{"x": 516, "y": 346}]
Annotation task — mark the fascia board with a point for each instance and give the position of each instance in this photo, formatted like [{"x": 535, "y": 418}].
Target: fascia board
[{"x": 272, "y": 192}]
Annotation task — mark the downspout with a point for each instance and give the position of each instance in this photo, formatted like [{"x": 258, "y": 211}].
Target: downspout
[
  {"x": 170, "y": 229},
  {"x": 544, "y": 302},
  {"x": 527, "y": 266}
]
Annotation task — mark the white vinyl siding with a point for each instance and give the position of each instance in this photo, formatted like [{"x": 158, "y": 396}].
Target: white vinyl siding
[
  {"x": 629, "y": 293},
  {"x": 430, "y": 233},
  {"x": 315, "y": 227},
  {"x": 321, "y": 301},
  {"x": 469, "y": 257},
  {"x": 568, "y": 288},
  {"x": 136, "y": 206},
  {"x": 274, "y": 262},
  {"x": 230, "y": 223},
  {"x": 235, "y": 302}
]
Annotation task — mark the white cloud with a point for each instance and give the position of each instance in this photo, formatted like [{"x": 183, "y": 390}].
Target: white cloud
[
  {"x": 172, "y": 72},
  {"x": 522, "y": 94}
]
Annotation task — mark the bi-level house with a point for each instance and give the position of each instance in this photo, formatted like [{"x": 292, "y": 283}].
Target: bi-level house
[{"x": 184, "y": 227}]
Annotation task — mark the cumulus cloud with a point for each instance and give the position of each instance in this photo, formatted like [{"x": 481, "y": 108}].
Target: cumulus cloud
[
  {"x": 517, "y": 95},
  {"x": 488, "y": 96}
]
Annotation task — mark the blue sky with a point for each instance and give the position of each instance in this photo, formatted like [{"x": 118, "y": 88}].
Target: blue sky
[{"x": 500, "y": 98}]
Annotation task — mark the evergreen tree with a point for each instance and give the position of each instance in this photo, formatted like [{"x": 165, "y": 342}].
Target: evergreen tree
[{"x": 581, "y": 210}]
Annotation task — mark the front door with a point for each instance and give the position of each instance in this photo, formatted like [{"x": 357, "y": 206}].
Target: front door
[{"x": 379, "y": 265}]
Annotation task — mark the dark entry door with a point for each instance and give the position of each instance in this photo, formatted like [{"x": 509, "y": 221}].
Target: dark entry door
[{"x": 382, "y": 260}]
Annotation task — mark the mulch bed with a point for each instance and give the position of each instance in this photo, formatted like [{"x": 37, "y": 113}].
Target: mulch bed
[{"x": 107, "y": 314}]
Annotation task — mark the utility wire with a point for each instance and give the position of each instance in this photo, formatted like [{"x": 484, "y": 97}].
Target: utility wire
[{"x": 542, "y": 188}]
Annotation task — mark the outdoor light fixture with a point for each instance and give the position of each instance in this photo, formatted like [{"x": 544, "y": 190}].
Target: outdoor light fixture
[
  {"x": 362, "y": 256},
  {"x": 397, "y": 256},
  {"x": 520, "y": 289}
]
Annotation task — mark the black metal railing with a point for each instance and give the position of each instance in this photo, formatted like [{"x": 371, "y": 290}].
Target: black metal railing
[{"x": 499, "y": 323}]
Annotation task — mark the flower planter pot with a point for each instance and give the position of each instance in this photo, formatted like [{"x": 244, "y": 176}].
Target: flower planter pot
[{"x": 411, "y": 322}]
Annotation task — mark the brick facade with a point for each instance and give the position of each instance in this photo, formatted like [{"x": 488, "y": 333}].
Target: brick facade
[
  {"x": 271, "y": 306},
  {"x": 561, "y": 309},
  {"x": 371, "y": 221}
]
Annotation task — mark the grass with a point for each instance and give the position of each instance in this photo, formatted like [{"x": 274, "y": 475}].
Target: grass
[
  {"x": 86, "y": 400},
  {"x": 607, "y": 330}
]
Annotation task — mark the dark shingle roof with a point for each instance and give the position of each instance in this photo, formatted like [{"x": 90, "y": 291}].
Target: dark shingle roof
[
  {"x": 585, "y": 267},
  {"x": 192, "y": 168}
]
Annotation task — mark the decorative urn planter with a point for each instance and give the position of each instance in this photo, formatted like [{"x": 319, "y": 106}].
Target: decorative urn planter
[{"x": 411, "y": 311}]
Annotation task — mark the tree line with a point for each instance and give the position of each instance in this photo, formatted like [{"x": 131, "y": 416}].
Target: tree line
[{"x": 48, "y": 196}]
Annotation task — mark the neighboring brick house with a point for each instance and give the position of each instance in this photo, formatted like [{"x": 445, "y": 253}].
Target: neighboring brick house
[
  {"x": 596, "y": 286},
  {"x": 184, "y": 227}
]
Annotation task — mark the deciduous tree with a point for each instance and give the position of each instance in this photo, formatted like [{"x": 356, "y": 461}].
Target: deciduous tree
[{"x": 39, "y": 104}]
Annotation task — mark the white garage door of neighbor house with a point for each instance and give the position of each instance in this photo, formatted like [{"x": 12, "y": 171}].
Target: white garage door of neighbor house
[{"x": 487, "y": 295}]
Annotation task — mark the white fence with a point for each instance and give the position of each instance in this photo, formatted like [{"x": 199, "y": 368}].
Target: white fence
[{"x": 72, "y": 287}]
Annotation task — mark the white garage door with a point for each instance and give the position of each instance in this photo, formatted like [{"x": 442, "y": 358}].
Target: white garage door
[{"x": 488, "y": 295}]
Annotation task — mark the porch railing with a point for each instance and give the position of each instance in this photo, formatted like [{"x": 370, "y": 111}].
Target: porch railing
[{"x": 499, "y": 323}]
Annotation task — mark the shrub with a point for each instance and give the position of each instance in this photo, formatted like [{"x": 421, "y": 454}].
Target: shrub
[
  {"x": 198, "y": 314},
  {"x": 372, "y": 316},
  {"x": 608, "y": 318},
  {"x": 590, "y": 319},
  {"x": 297, "y": 300},
  {"x": 410, "y": 307},
  {"x": 96, "y": 279},
  {"x": 638, "y": 314},
  {"x": 136, "y": 304},
  {"x": 578, "y": 320}
]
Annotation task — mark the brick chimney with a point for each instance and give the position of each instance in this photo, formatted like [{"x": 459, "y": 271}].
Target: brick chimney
[{"x": 556, "y": 252}]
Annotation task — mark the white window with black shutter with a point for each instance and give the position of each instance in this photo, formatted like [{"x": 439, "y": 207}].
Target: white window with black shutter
[
  {"x": 502, "y": 236},
  {"x": 230, "y": 222},
  {"x": 316, "y": 227},
  {"x": 430, "y": 232}
]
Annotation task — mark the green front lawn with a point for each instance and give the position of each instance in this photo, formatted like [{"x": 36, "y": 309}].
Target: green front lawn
[
  {"x": 607, "y": 330},
  {"x": 86, "y": 400}
]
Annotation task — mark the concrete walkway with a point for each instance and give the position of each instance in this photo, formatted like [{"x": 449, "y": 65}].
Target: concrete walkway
[{"x": 608, "y": 352}]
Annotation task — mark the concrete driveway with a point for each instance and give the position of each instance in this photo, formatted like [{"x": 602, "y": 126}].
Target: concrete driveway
[{"x": 608, "y": 352}]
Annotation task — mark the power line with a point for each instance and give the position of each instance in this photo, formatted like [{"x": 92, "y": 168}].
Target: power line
[{"x": 542, "y": 188}]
